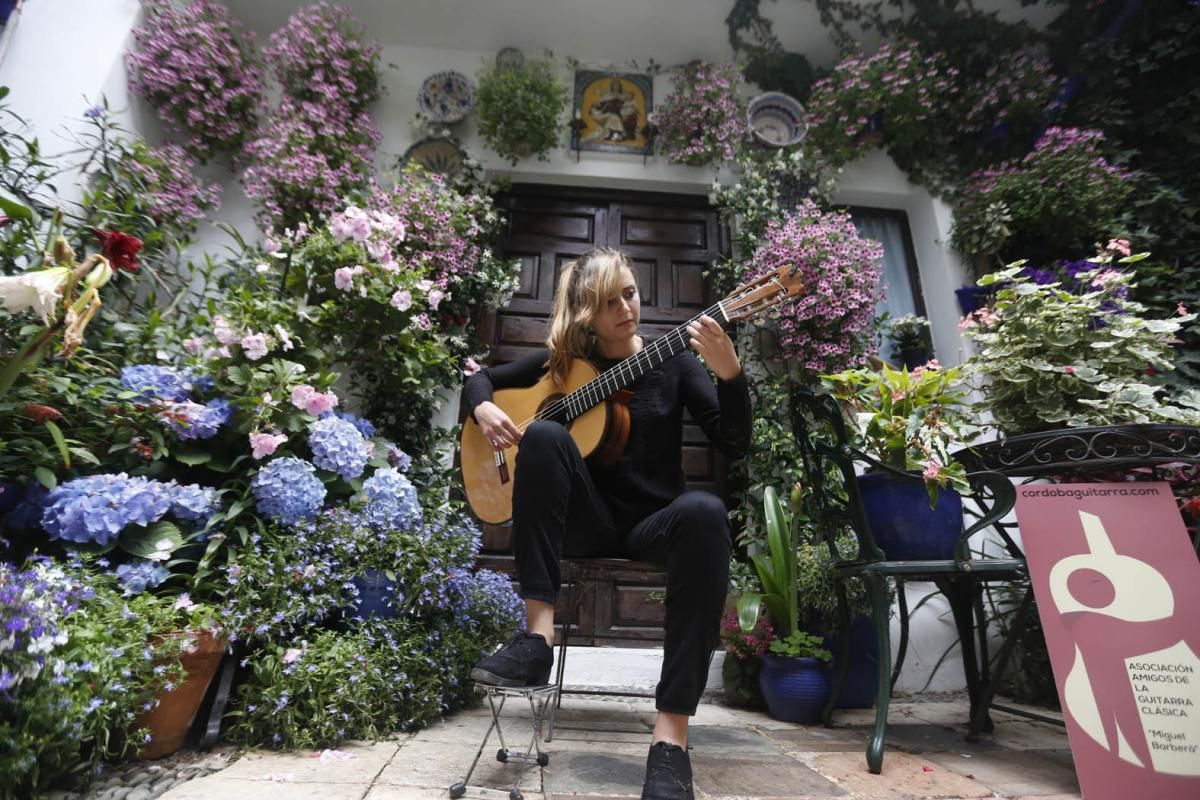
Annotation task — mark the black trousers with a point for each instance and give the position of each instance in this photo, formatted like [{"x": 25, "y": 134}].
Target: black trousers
[{"x": 557, "y": 511}]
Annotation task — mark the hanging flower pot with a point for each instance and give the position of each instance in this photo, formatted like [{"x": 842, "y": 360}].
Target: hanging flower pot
[{"x": 171, "y": 718}]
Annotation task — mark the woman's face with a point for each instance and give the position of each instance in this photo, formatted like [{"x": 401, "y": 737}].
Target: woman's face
[{"x": 618, "y": 321}]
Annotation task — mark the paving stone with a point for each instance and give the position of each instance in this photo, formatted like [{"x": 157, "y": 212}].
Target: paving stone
[
  {"x": 735, "y": 741},
  {"x": 307, "y": 766},
  {"x": 759, "y": 777},
  {"x": 436, "y": 764},
  {"x": 1020, "y": 735},
  {"x": 925, "y": 738},
  {"x": 578, "y": 773},
  {"x": 811, "y": 739},
  {"x": 1009, "y": 772},
  {"x": 214, "y": 788},
  {"x": 904, "y": 777},
  {"x": 1075, "y": 796},
  {"x": 140, "y": 793},
  {"x": 387, "y": 792}
]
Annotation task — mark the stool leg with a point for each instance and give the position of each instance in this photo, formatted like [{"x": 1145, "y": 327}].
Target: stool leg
[{"x": 459, "y": 789}]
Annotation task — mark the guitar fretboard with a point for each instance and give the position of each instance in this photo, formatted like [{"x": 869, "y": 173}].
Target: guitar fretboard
[{"x": 619, "y": 376}]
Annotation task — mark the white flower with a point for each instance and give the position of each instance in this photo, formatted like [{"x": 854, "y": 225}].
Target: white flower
[{"x": 38, "y": 289}]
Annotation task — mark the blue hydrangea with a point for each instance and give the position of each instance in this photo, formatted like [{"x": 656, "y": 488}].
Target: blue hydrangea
[
  {"x": 338, "y": 446},
  {"x": 191, "y": 501},
  {"x": 97, "y": 508},
  {"x": 364, "y": 427},
  {"x": 153, "y": 382},
  {"x": 141, "y": 575},
  {"x": 391, "y": 500},
  {"x": 194, "y": 421},
  {"x": 288, "y": 490}
]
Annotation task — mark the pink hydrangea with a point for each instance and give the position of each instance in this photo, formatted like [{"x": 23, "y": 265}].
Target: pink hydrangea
[
  {"x": 308, "y": 399},
  {"x": 254, "y": 346},
  {"x": 265, "y": 444}
]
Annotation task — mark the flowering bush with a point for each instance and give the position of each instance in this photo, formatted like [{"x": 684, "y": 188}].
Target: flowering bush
[
  {"x": 305, "y": 159},
  {"x": 377, "y": 676},
  {"x": 76, "y": 666},
  {"x": 519, "y": 108},
  {"x": 97, "y": 509},
  {"x": 745, "y": 644},
  {"x": 909, "y": 420},
  {"x": 898, "y": 90},
  {"x": 320, "y": 57},
  {"x": 1012, "y": 95},
  {"x": 830, "y": 327},
  {"x": 703, "y": 121},
  {"x": 196, "y": 67},
  {"x": 1061, "y": 197},
  {"x": 148, "y": 192},
  {"x": 1051, "y": 355}
]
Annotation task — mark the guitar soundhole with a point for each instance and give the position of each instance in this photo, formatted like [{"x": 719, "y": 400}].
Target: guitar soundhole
[{"x": 551, "y": 400}]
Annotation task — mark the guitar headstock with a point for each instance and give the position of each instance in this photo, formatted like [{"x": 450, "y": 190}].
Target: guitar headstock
[{"x": 762, "y": 293}]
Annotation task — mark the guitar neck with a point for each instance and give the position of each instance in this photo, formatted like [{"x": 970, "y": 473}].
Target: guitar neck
[{"x": 621, "y": 375}]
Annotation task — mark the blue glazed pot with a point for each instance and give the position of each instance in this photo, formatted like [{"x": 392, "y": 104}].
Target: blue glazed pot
[
  {"x": 971, "y": 298},
  {"x": 862, "y": 678},
  {"x": 904, "y": 525},
  {"x": 795, "y": 689},
  {"x": 376, "y": 596}
]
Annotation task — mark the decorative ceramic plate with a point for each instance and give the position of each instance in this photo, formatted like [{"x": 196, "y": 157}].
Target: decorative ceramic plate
[
  {"x": 436, "y": 155},
  {"x": 510, "y": 58},
  {"x": 446, "y": 96},
  {"x": 777, "y": 119}
]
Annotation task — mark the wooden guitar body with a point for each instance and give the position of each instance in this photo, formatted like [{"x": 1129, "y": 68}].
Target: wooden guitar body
[{"x": 600, "y": 432}]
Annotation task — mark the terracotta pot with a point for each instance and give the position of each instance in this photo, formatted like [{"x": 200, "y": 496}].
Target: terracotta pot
[{"x": 170, "y": 720}]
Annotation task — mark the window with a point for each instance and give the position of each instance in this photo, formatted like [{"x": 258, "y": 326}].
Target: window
[{"x": 901, "y": 279}]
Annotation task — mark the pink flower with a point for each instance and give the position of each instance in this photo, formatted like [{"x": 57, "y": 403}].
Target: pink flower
[
  {"x": 1181, "y": 309},
  {"x": 1119, "y": 246},
  {"x": 265, "y": 444},
  {"x": 472, "y": 367},
  {"x": 343, "y": 278},
  {"x": 301, "y": 395},
  {"x": 1106, "y": 277},
  {"x": 435, "y": 297},
  {"x": 402, "y": 300},
  {"x": 932, "y": 470},
  {"x": 254, "y": 345},
  {"x": 292, "y": 655},
  {"x": 1069, "y": 370},
  {"x": 319, "y": 403},
  {"x": 184, "y": 603},
  {"x": 423, "y": 322},
  {"x": 193, "y": 344},
  {"x": 224, "y": 331}
]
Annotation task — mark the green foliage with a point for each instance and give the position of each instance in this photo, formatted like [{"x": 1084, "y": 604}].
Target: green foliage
[
  {"x": 767, "y": 63},
  {"x": 776, "y": 571},
  {"x": 56, "y": 728},
  {"x": 1051, "y": 357},
  {"x": 799, "y": 644},
  {"x": 520, "y": 108},
  {"x": 909, "y": 420}
]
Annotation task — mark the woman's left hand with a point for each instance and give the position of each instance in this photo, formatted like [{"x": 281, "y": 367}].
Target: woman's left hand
[{"x": 715, "y": 347}]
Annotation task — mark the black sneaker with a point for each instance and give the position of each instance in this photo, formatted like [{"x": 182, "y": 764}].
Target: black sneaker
[
  {"x": 668, "y": 773},
  {"x": 524, "y": 661}
]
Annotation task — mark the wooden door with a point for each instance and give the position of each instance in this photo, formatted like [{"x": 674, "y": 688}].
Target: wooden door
[{"x": 671, "y": 240}]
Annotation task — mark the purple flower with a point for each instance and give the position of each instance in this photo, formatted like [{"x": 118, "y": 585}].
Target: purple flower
[
  {"x": 338, "y": 446},
  {"x": 194, "y": 421},
  {"x": 288, "y": 490},
  {"x": 140, "y": 575},
  {"x": 391, "y": 500},
  {"x": 155, "y": 383}
]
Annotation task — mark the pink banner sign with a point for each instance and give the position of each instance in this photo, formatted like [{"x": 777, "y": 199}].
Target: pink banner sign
[{"x": 1118, "y": 591}]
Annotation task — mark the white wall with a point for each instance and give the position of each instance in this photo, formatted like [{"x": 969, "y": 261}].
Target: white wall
[{"x": 66, "y": 53}]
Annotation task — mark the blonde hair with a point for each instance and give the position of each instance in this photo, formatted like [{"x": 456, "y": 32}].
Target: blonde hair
[{"x": 584, "y": 288}]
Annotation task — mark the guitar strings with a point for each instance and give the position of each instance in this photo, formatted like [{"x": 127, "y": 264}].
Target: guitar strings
[{"x": 550, "y": 410}]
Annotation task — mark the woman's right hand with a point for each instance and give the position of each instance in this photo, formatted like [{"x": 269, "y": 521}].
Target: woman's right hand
[{"x": 497, "y": 428}]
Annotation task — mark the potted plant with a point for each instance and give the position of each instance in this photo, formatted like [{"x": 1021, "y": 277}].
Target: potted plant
[
  {"x": 519, "y": 108},
  {"x": 907, "y": 422},
  {"x": 703, "y": 120},
  {"x": 744, "y": 651},
  {"x": 909, "y": 338},
  {"x": 1074, "y": 353},
  {"x": 793, "y": 680}
]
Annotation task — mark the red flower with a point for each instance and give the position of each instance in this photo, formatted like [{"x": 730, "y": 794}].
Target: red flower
[
  {"x": 41, "y": 414},
  {"x": 1193, "y": 507},
  {"x": 120, "y": 249}
]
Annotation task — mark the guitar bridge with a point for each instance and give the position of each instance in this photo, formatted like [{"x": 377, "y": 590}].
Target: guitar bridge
[{"x": 501, "y": 466}]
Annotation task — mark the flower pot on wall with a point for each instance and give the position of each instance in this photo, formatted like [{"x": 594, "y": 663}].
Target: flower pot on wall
[
  {"x": 904, "y": 526},
  {"x": 972, "y": 298},
  {"x": 170, "y": 720},
  {"x": 795, "y": 688}
]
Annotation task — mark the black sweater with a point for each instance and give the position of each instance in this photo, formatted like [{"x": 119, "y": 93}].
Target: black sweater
[{"x": 649, "y": 474}]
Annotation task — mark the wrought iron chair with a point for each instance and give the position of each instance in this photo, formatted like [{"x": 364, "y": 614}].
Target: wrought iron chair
[{"x": 829, "y": 462}]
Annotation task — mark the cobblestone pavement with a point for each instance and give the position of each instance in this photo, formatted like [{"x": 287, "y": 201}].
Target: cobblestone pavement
[{"x": 599, "y": 750}]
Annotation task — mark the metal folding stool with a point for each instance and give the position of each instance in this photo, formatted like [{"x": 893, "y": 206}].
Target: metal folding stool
[{"x": 542, "y": 704}]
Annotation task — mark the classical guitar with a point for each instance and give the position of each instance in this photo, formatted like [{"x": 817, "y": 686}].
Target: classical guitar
[{"x": 592, "y": 404}]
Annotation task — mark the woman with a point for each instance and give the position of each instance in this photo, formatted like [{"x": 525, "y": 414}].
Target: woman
[{"x": 636, "y": 507}]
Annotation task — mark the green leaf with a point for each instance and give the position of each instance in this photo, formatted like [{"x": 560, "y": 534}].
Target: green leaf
[
  {"x": 748, "y": 607},
  {"x": 60, "y": 442},
  {"x": 83, "y": 454},
  {"x": 12, "y": 207},
  {"x": 143, "y": 541},
  {"x": 193, "y": 459},
  {"x": 45, "y": 477}
]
